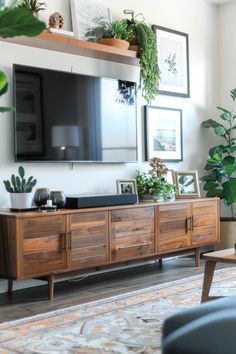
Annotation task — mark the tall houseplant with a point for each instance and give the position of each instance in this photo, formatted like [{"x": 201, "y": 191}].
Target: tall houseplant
[
  {"x": 220, "y": 180},
  {"x": 146, "y": 39},
  {"x": 15, "y": 21}
]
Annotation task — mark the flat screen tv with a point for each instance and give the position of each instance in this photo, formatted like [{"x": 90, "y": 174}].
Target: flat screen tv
[{"x": 63, "y": 116}]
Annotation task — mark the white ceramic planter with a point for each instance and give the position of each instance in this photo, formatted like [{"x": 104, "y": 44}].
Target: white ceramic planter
[{"x": 21, "y": 200}]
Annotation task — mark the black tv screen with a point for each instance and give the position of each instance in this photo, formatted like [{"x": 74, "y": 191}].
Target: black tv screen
[{"x": 63, "y": 116}]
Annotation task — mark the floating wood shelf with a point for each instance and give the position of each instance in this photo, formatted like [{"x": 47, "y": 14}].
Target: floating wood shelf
[{"x": 65, "y": 44}]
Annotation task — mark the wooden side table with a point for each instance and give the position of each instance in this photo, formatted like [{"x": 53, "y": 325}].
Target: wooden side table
[{"x": 225, "y": 256}]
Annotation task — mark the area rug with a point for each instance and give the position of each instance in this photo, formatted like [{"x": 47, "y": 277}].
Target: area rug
[{"x": 129, "y": 323}]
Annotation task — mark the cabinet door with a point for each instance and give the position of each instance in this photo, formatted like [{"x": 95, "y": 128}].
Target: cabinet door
[
  {"x": 132, "y": 233},
  {"x": 173, "y": 226},
  {"x": 89, "y": 239},
  {"x": 43, "y": 240},
  {"x": 205, "y": 222}
]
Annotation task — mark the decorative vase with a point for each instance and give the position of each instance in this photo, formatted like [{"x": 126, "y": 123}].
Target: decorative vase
[
  {"x": 41, "y": 196},
  {"x": 58, "y": 198},
  {"x": 21, "y": 200}
]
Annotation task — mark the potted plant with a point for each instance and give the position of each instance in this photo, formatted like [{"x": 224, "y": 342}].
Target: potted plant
[
  {"x": 15, "y": 21},
  {"x": 116, "y": 34},
  {"x": 33, "y": 6},
  {"x": 220, "y": 180},
  {"x": 143, "y": 36},
  {"x": 152, "y": 185},
  {"x": 20, "y": 189}
]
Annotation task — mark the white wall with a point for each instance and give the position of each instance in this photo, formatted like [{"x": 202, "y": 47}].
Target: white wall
[{"x": 198, "y": 18}]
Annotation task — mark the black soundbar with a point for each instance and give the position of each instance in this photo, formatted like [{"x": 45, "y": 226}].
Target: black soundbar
[{"x": 89, "y": 201}]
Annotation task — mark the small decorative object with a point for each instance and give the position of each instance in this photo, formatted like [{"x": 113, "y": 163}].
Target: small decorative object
[
  {"x": 163, "y": 127},
  {"x": 58, "y": 198},
  {"x": 187, "y": 184},
  {"x": 172, "y": 48},
  {"x": 88, "y": 15},
  {"x": 20, "y": 189},
  {"x": 41, "y": 196},
  {"x": 152, "y": 185},
  {"x": 34, "y": 6},
  {"x": 126, "y": 186},
  {"x": 56, "y": 20},
  {"x": 145, "y": 38}
]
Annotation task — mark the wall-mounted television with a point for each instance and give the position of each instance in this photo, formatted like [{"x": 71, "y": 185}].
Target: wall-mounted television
[{"x": 63, "y": 116}]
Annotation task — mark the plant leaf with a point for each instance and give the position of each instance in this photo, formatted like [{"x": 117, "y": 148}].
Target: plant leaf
[
  {"x": 229, "y": 191},
  {"x": 17, "y": 21}
]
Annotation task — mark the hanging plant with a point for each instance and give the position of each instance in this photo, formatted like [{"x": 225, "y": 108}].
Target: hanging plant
[{"x": 146, "y": 39}]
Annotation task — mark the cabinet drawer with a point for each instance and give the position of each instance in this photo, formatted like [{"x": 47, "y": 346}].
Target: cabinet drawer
[
  {"x": 132, "y": 233},
  {"x": 41, "y": 263},
  {"x": 42, "y": 226},
  {"x": 204, "y": 235},
  {"x": 89, "y": 239}
]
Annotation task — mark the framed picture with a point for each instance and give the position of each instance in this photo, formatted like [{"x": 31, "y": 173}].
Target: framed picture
[
  {"x": 173, "y": 61},
  {"x": 126, "y": 186},
  {"x": 187, "y": 184},
  {"x": 87, "y": 19},
  {"x": 29, "y": 114},
  {"x": 163, "y": 133}
]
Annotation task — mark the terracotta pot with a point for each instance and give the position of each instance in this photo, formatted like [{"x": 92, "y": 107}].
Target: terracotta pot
[{"x": 114, "y": 42}]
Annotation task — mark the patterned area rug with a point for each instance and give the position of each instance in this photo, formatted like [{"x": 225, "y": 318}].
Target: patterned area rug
[{"x": 129, "y": 323}]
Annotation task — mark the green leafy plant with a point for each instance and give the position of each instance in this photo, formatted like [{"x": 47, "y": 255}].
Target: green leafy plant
[
  {"x": 116, "y": 29},
  {"x": 146, "y": 39},
  {"x": 153, "y": 182},
  {"x": 34, "y": 6},
  {"x": 15, "y": 21},
  {"x": 221, "y": 163},
  {"x": 19, "y": 184}
]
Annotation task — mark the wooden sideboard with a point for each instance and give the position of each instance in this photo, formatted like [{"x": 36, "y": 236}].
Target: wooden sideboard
[{"x": 39, "y": 244}]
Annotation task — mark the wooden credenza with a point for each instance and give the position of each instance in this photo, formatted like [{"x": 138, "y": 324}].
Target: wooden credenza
[{"x": 37, "y": 244}]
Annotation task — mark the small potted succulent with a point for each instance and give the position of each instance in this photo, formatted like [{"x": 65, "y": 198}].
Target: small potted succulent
[
  {"x": 116, "y": 34},
  {"x": 20, "y": 189},
  {"x": 152, "y": 185}
]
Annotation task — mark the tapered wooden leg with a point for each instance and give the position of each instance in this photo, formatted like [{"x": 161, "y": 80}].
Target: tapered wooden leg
[
  {"x": 160, "y": 262},
  {"x": 207, "y": 280},
  {"x": 51, "y": 287},
  {"x": 197, "y": 257},
  {"x": 10, "y": 286}
]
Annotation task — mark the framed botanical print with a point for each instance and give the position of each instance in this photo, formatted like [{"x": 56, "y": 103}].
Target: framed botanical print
[
  {"x": 173, "y": 61},
  {"x": 163, "y": 133},
  {"x": 187, "y": 184}
]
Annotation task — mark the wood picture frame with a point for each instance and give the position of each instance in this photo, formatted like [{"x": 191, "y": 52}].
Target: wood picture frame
[
  {"x": 187, "y": 184},
  {"x": 163, "y": 133},
  {"x": 173, "y": 61}
]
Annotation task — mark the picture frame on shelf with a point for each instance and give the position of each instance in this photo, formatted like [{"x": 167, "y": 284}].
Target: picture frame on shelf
[
  {"x": 88, "y": 17},
  {"x": 187, "y": 184},
  {"x": 126, "y": 186},
  {"x": 173, "y": 61},
  {"x": 163, "y": 133}
]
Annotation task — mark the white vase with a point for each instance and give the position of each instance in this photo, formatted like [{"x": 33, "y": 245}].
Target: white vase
[{"x": 21, "y": 200}]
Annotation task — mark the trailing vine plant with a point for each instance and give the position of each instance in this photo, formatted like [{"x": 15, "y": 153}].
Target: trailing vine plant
[{"x": 146, "y": 39}]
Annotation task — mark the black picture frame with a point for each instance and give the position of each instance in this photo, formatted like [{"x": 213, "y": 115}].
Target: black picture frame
[
  {"x": 173, "y": 61},
  {"x": 163, "y": 133}
]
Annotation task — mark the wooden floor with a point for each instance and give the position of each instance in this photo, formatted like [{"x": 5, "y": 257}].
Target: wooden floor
[{"x": 32, "y": 301}]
